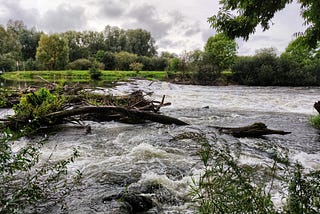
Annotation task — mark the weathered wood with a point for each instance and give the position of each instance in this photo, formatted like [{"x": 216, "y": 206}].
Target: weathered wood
[
  {"x": 114, "y": 111},
  {"x": 317, "y": 106},
  {"x": 254, "y": 130}
]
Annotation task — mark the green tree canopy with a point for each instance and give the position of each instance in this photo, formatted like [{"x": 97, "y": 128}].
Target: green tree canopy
[
  {"x": 27, "y": 38},
  {"x": 123, "y": 60},
  {"x": 140, "y": 42},
  {"x": 221, "y": 50},
  {"x": 239, "y": 18},
  {"x": 300, "y": 52},
  {"x": 53, "y": 51}
]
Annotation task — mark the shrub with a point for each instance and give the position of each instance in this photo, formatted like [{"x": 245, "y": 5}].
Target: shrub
[
  {"x": 34, "y": 106},
  {"x": 304, "y": 192},
  {"x": 108, "y": 60},
  {"x": 136, "y": 66},
  {"x": 123, "y": 60},
  {"x": 79, "y": 64},
  {"x": 7, "y": 63},
  {"x": 94, "y": 71},
  {"x": 315, "y": 120},
  {"x": 226, "y": 187},
  {"x": 25, "y": 183}
]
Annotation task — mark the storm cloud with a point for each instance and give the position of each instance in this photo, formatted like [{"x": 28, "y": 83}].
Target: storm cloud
[
  {"x": 111, "y": 8},
  {"x": 13, "y": 10},
  {"x": 64, "y": 18}
]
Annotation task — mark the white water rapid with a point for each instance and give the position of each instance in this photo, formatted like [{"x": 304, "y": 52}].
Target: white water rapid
[{"x": 116, "y": 157}]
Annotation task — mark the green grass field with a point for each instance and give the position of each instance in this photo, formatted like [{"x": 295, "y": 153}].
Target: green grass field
[{"x": 80, "y": 76}]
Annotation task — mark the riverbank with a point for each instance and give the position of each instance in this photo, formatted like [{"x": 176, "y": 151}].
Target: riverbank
[{"x": 81, "y": 76}]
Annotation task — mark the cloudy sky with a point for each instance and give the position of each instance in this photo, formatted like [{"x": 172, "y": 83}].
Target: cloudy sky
[{"x": 176, "y": 25}]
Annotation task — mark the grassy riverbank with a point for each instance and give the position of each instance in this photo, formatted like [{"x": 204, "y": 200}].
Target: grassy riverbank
[{"x": 80, "y": 76}]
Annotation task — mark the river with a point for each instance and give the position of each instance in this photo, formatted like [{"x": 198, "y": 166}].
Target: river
[{"x": 116, "y": 157}]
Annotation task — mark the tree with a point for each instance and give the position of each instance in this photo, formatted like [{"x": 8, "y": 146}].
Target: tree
[
  {"x": 239, "y": 18},
  {"x": 221, "y": 51},
  {"x": 123, "y": 60},
  {"x": 140, "y": 42},
  {"x": 300, "y": 52},
  {"x": 115, "y": 39},
  {"x": 78, "y": 49},
  {"x": 26, "y": 38},
  {"x": 94, "y": 41},
  {"x": 53, "y": 51}
]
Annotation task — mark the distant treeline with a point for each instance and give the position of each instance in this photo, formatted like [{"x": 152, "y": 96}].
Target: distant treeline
[
  {"x": 267, "y": 69},
  {"x": 113, "y": 48},
  {"x": 23, "y": 48}
]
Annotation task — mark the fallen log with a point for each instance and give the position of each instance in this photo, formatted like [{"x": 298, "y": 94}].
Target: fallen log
[
  {"x": 254, "y": 130},
  {"x": 104, "y": 111}
]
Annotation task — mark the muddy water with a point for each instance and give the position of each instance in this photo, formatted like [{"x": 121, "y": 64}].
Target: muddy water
[{"x": 118, "y": 157}]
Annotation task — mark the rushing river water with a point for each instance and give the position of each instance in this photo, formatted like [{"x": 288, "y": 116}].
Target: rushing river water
[{"x": 116, "y": 157}]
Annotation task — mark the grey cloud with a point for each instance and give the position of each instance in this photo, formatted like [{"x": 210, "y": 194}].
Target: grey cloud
[
  {"x": 112, "y": 9},
  {"x": 166, "y": 43},
  {"x": 13, "y": 10},
  {"x": 64, "y": 18},
  {"x": 206, "y": 33},
  {"x": 146, "y": 17},
  {"x": 193, "y": 30}
]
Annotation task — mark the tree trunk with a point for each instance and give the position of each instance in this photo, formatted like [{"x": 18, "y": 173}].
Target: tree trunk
[
  {"x": 254, "y": 130},
  {"x": 113, "y": 112}
]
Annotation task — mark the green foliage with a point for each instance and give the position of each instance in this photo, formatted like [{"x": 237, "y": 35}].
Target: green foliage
[
  {"x": 136, "y": 66},
  {"x": 227, "y": 187},
  {"x": 53, "y": 52},
  {"x": 315, "y": 120},
  {"x": 304, "y": 192},
  {"x": 140, "y": 42},
  {"x": 25, "y": 182},
  {"x": 33, "y": 65},
  {"x": 3, "y": 97},
  {"x": 173, "y": 64},
  {"x": 108, "y": 60},
  {"x": 265, "y": 68},
  {"x": 33, "y": 107},
  {"x": 7, "y": 62},
  {"x": 123, "y": 60},
  {"x": 221, "y": 50},
  {"x": 95, "y": 73},
  {"x": 79, "y": 64},
  {"x": 239, "y": 18}
]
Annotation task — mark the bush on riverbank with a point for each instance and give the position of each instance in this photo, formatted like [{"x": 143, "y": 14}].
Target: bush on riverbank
[
  {"x": 267, "y": 69},
  {"x": 315, "y": 120},
  {"x": 25, "y": 181},
  {"x": 226, "y": 186}
]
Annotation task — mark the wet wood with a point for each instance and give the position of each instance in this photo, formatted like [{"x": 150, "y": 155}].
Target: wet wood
[
  {"x": 254, "y": 130},
  {"x": 317, "y": 106},
  {"x": 106, "y": 113},
  {"x": 87, "y": 105}
]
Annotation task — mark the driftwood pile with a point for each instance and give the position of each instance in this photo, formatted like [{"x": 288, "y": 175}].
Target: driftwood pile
[{"x": 85, "y": 104}]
